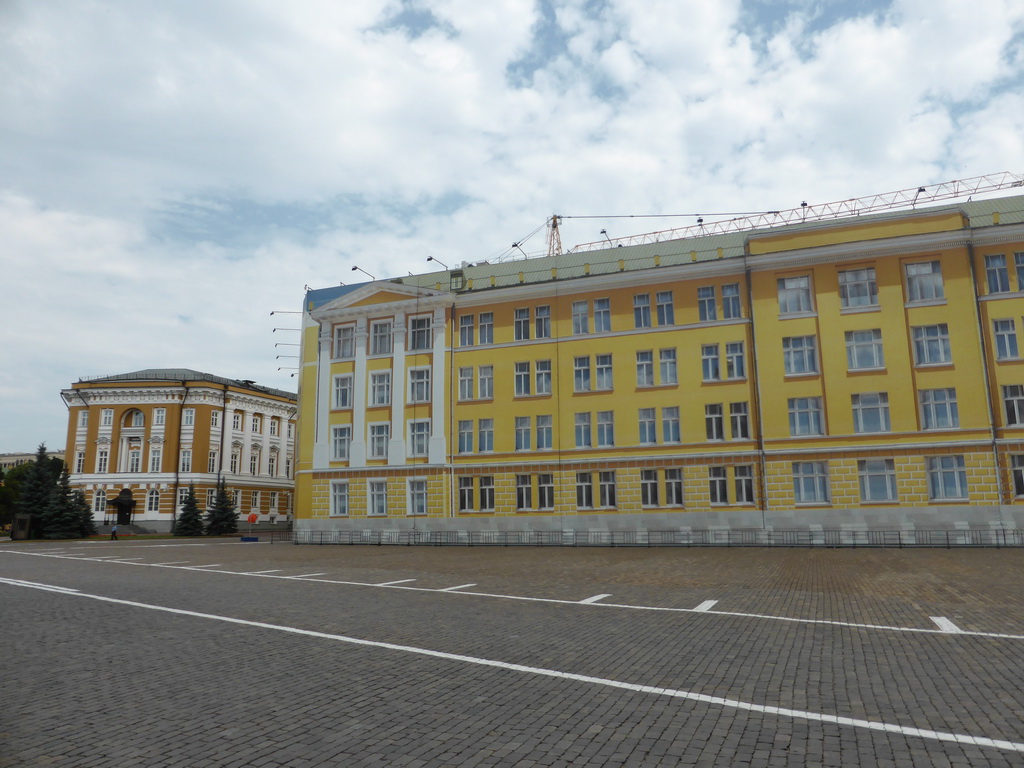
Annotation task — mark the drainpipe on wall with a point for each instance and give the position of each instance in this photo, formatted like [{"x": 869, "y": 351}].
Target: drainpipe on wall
[{"x": 762, "y": 484}]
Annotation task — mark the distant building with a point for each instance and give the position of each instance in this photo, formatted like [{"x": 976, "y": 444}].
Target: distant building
[
  {"x": 155, "y": 432},
  {"x": 12, "y": 460},
  {"x": 861, "y": 372}
]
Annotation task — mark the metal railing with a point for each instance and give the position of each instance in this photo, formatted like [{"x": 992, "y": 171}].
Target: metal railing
[{"x": 745, "y": 537}]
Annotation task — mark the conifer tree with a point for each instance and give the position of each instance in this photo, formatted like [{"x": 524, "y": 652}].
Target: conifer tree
[
  {"x": 61, "y": 519},
  {"x": 83, "y": 513},
  {"x": 37, "y": 486},
  {"x": 221, "y": 517},
  {"x": 190, "y": 521}
]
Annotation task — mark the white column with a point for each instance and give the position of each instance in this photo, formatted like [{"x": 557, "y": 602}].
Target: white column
[
  {"x": 322, "y": 445},
  {"x": 357, "y": 449},
  {"x": 396, "y": 448},
  {"x": 437, "y": 447}
]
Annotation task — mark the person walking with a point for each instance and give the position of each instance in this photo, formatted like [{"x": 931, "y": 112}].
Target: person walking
[{"x": 113, "y": 532}]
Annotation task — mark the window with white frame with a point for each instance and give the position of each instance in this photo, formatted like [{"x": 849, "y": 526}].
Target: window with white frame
[
  {"x": 236, "y": 499},
  {"x": 645, "y": 368},
  {"x": 939, "y": 409},
  {"x": 603, "y": 371},
  {"x": 485, "y": 435},
  {"x": 545, "y": 491},
  {"x": 580, "y": 317},
  {"x": 341, "y": 441},
  {"x": 794, "y": 295},
  {"x": 465, "y": 436},
  {"x": 805, "y": 416},
  {"x": 83, "y": 418},
  {"x": 673, "y": 487},
  {"x": 486, "y": 487},
  {"x": 421, "y": 334},
  {"x": 381, "y": 337},
  {"x": 931, "y": 344},
  {"x": 155, "y": 458},
  {"x": 417, "y": 496},
  {"x": 743, "y": 483},
  {"x": 236, "y": 421},
  {"x": 465, "y": 494},
  {"x": 466, "y": 383},
  {"x": 188, "y": 417},
  {"x": 99, "y": 502},
  {"x": 1013, "y": 402},
  {"x": 602, "y": 315},
  {"x": 522, "y": 379},
  {"x": 212, "y": 461},
  {"x": 182, "y": 496},
  {"x": 810, "y": 482},
  {"x": 605, "y": 429},
  {"x": 858, "y": 288},
  {"x": 236, "y": 458},
  {"x": 606, "y": 489},
  {"x": 159, "y": 416},
  {"x": 582, "y": 430},
  {"x": 647, "y": 427},
  {"x": 668, "y": 369},
  {"x": 380, "y": 435},
  {"x": 584, "y": 490},
  {"x": 1005, "y": 332},
  {"x": 648, "y": 488},
  {"x": 273, "y": 501},
  {"x": 215, "y": 419},
  {"x": 666, "y": 308},
  {"x": 521, "y": 324},
  {"x": 710, "y": 365},
  {"x": 877, "y": 479},
  {"x": 1017, "y": 471},
  {"x": 486, "y": 327},
  {"x": 924, "y": 281},
  {"x": 254, "y": 460},
  {"x": 735, "y": 360},
  {"x": 1018, "y": 263},
  {"x": 864, "y": 349},
  {"x": 800, "y": 355},
  {"x": 419, "y": 437},
  {"x": 378, "y": 493},
  {"x": 871, "y": 412},
  {"x": 272, "y": 464},
  {"x": 996, "y": 274},
  {"x": 185, "y": 460},
  {"x": 344, "y": 342},
  {"x": 257, "y": 424},
  {"x": 947, "y": 477},
  {"x": 485, "y": 382},
  {"x": 255, "y": 501},
  {"x": 739, "y": 421},
  {"x": 419, "y": 385},
  {"x": 542, "y": 377},
  {"x": 343, "y": 391},
  {"x": 545, "y": 432},
  {"x": 524, "y": 492},
  {"x": 542, "y": 322},
  {"x": 718, "y": 485},
  {"x": 467, "y": 330},
  {"x": 706, "y": 303},
  {"x": 714, "y": 421},
  {"x": 642, "y": 310},
  {"x": 731, "y": 301},
  {"x": 275, "y": 426},
  {"x": 135, "y": 458},
  {"x": 152, "y": 500},
  {"x": 670, "y": 432},
  {"x": 581, "y": 373},
  {"x": 380, "y": 388},
  {"x": 102, "y": 460},
  {"x": 80, "y": 463},
  {"x": 107, "y": 417},
  {"x": 339, "y": 498}
]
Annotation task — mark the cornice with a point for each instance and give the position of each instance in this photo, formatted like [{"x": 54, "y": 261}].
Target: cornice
[{"x": 861, "y": 249}]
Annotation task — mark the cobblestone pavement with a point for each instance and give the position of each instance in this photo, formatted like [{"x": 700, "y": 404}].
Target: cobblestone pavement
[{"x": 607, "y": 657}]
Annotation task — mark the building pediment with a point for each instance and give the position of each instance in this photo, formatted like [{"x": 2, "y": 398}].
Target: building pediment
[{"x": 380, "y": 298}]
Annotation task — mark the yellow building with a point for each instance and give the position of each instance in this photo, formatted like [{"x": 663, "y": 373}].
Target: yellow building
[
  {"x": 857, "y": 373},
  {"x": 157, "y": 431}
]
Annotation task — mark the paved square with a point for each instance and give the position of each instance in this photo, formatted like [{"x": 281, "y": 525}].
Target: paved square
[{"x": 217, "y": 653}]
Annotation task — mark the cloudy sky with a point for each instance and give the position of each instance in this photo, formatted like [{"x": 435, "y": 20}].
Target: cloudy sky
[{"x": 170, "y": 172}]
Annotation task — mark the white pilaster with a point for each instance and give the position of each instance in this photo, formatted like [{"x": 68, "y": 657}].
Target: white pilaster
[
  {"x": 437, "y": 446},
  {"x": 322, "y": 443},
  {"x": 357, "y": 448},
  {"x": 396, "y": 448}
]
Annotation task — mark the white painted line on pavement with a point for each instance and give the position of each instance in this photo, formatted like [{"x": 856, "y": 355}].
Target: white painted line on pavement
[
  {"x": 796, "y": 714},
  {"x": 128, "y": 559},
  {"x": 173, "y": 562},
  {"x": 452, "y": 589},
  {"x": 37, "y": 585},
  {"x": 301, "y": 576},
  {"x": 946, "y": 625},
  {"x": 392, "y": 583},
  {"x": 257, "y": 573},
  {"x": 208, "y": 565},
  {"x": 594, "y": 599},
  {"x": 707, "y": 605}
]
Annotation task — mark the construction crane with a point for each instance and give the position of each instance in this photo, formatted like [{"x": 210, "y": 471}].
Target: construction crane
[
  {"x": 857, "y": 206},
  {"x": 554, "y": 238}
]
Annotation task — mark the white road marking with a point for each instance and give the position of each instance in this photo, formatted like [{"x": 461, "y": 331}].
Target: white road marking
[
  {"x": 797, "y": 714},
  {"x": 173, "y": 562},
  {"x": 594, "y": 599},
  {"x": 452, "y": 589},
  {"x": 946, "y": 625},
  {"x": 257, "y": 573},
  {"x": 37, "y": 585},
  {"x": 128, "y": 559},
  {"x": 208, "y": 565},
  {"x": 300, "y": 576},
  {"x": 392, "y": 583},
  {"x": 707, "y": 605}
]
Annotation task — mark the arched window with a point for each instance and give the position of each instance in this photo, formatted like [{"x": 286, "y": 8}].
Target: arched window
[
  {"x": 99, "y": 502},
  {"x": 134, "y": 418},
  {"x": 153, "y": 500}
]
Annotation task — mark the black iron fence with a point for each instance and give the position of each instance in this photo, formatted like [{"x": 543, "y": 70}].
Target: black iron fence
[{"x": 753, "y": 537}]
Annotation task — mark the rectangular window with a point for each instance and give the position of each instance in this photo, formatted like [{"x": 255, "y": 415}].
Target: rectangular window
[
  {"x": 666, "y": 308},
  {"x": 522, "y": 379},
  {"x": 581, "y": 374},
  {"x": 188, "y": 417},
  {"x": 545, "y": 491},
  {"x": 735, "y": 361},
  {"x": 645, "y": 368},
  {"x": 604, "y": 371},
  {"x": 877, "y": 478},
  {"x": 257, "y": 424},
  {"x": 580, "y": 317},
  {"x": 236, "y": 461},
  {"x": 466, "y": 436},
  {"x": 545, "y": 433},
  {"x": 83, "y": 418},
  {"x": 718, "y": 485},
  {"x": 380, "y": 388},
  {"x": 466, "y": 383},
  {"x": 465, "y": 493},
  {"x": 606, "y": 489},
  {"x": 714, "y": 421},
  {"x": 523, "y": 433},
  {"x": 159, "y": 417},
  {"x": 380, "y": 435},
  {"x": 739, "y": 421},
  {"x": 800, "y": 354},
  {"x": 486, "y": 327},
  {"x": 864, "y": 349},
  {"x": 582, "y": 430},
  {"x": 419, "y": 385},
  {"x": 731, "y": 301},
  {"x": 858, "y": 288},
  {"x": 339, "y": 498},
  {"x": 467, "y": 330},
  {"x": 378, "y": 506},
  {"x": 254, "y": 462},
  {"x": 185, "y": 460},
  {"x": 542, "y": 377},
  {"x": 1018, "y": 263},
  {"x": 485, "y": 382},
  {"x": 107, "y": 417},
  {"x": 486, "y": 493},
  {"x": 648, "y": 487},
  {"x": 673, "y": 487},
  {"x": 706, "y": 303},
  {"x": 273, "y": 501},
  {"x": 1006, "y": 339},
  {"x": 343, "y": 391},
  {"x": 274, "y": 427},
  {"x": 381, "y": 335},
  {"x": 648, "y": 430},
  {"x": 711, "y": 369},
  {"x": 236, "y": 421},
  {"x": 871, "y": 412},
  {"x": 542, "y": 322},
  {"x": 794, "y": 295},
  {"x": 605, "y": 429},
  {"x": 421, "y": 335},
  {"x": 670, "y": 424},
  {"x": 1017, "y": 469},
  {"x": 996, "y": 273},
  {"x": 521, "y": 325},
  {"x": 341, "y": 439},
  {"x": 602, "y": 315},
  {"x": 156, "y": 458},
  {"x": 924, "y": 281},
  {"x": 417, "y": 497},
  {"x": 810, "y": 482},
  {"x": 642, "y": 310},
  {"x": 211, "y": 498},
  {"x": 80, "y": 463},
  {"x": 135, "y": 459},
  {"x": 931, "y": 344},
  {"x": 419, "y": 437},
  {"x": 584, "y": 490},
  {"x": 524, "y": 492},
  {"x": 667, "y": 366},
  {"x": 805, "y": 416},
  {"x": 743, "y": 481},
  {"x": 947, "y": 477},
  {"x": 1013, "y": 401},
  {"x": 485, "y": 435},
  {"x": 272, "y": 464},
  {"x": 344, "y": 341},
  {"x": 939, "y": 409}
]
